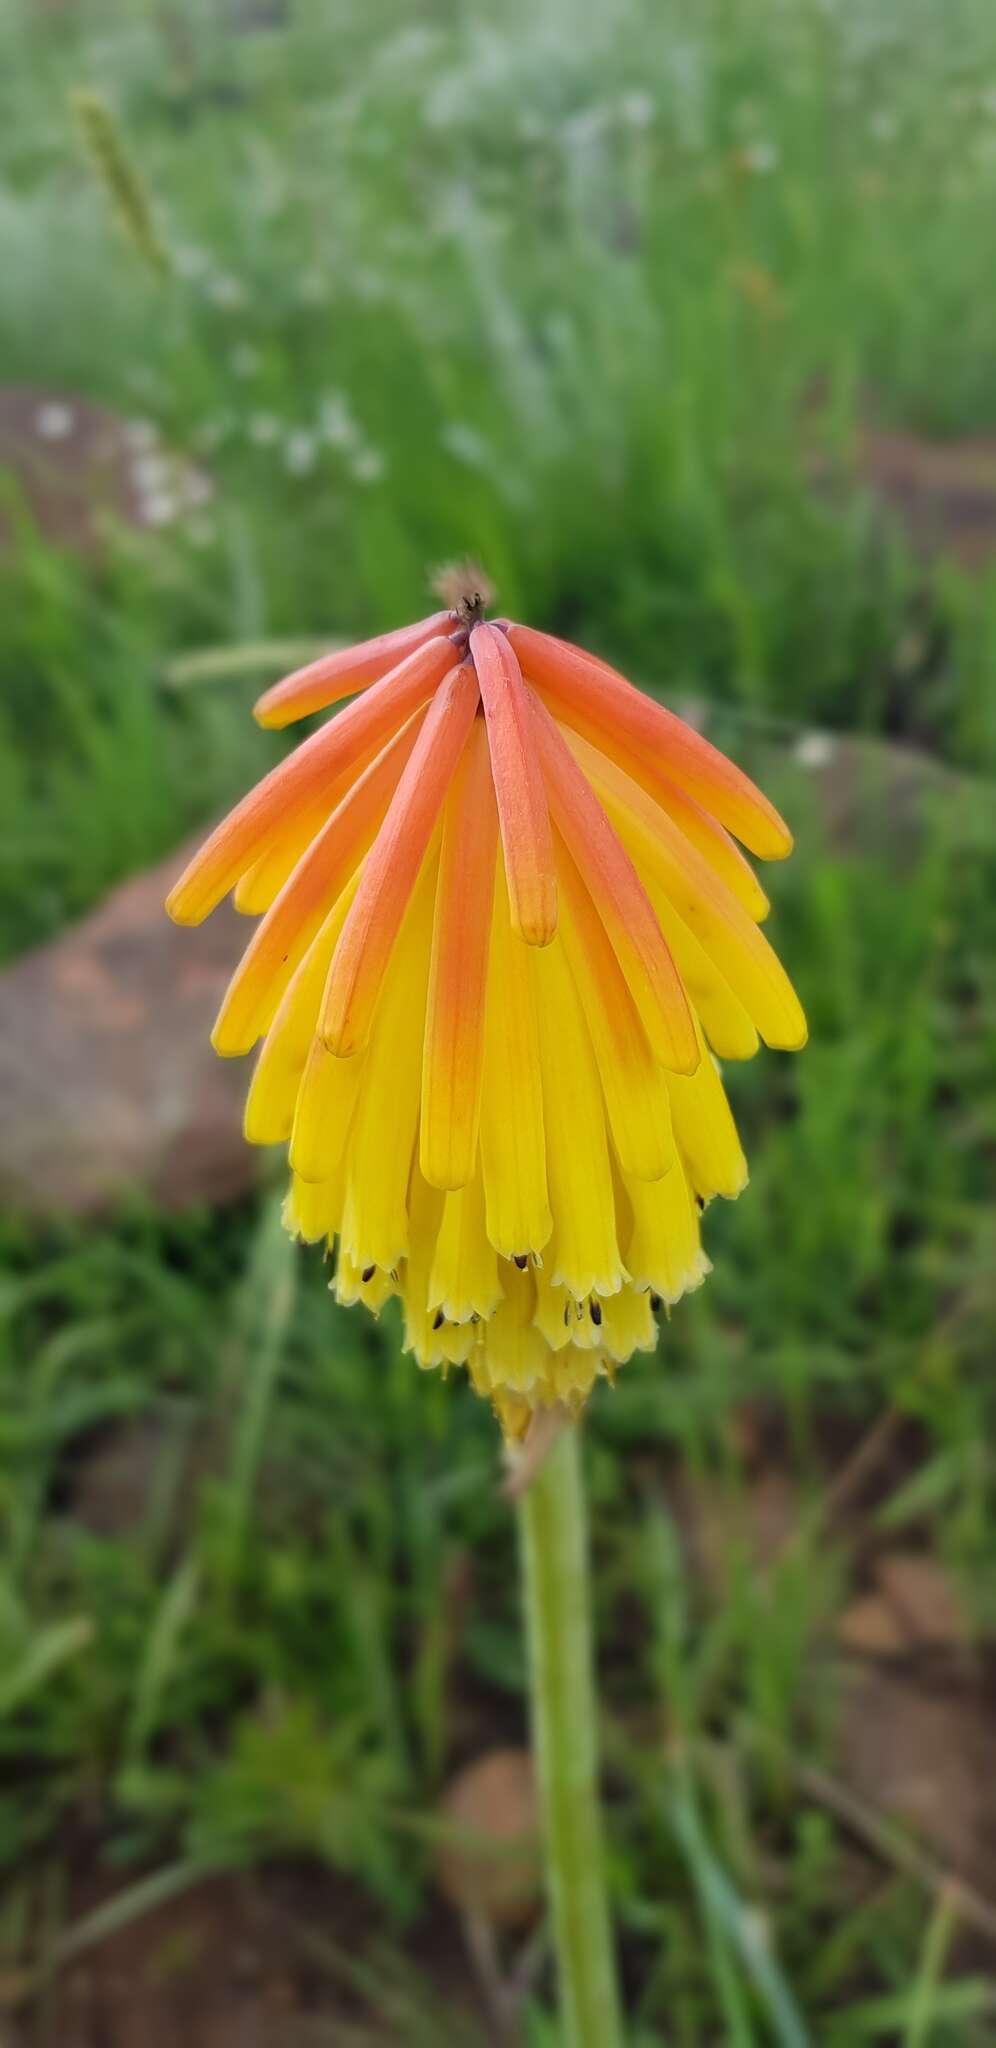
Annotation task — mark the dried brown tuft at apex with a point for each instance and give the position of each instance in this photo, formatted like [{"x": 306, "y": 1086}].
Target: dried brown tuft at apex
[{"x": 465, "y": 588}]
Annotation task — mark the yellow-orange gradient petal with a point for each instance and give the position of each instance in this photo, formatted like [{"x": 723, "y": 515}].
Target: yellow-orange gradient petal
[
  {"x": 620, "y": 899},
  {"x": 513, "y": 1148},
  {"x": 274, "y": 1087},
  {"x": 636, "y": 1091},
  {"x": 323, "y": 1113},
  {"x": 261, "y": 884},
  {"x": 453, "y": 1056},
  {"x": 706, "y": 1133},
  {"x": 344, "y": 671},
  {"x": 724, "y": 1020},
  {"x": 701, "y": 900},
  {"x": 381, "y": 1144},
  {"x": 522, "y": 806},
  {"x": 577, "y": 684},
  {"x": 289, "y": 926},
  {"x": 710, "y": 838},
  {"x": 393, "y": 863},
  {"x": 584, "y": 1254},
  {"x": 301, "y": 780}
]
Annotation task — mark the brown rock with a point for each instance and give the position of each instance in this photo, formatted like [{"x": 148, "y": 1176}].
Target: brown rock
[
  {"x": 491, "y": 1867},
  {"x": 943, "y": 493},
  {"x": 924, "y": 1756},
  {"x": 107, "y": 1079},
  {"x": 871, "y": 1627},
  {"x": 920, "y": 1591}
]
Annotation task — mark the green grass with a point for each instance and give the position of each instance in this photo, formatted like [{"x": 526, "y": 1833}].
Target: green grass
[{"x": 596, "y": 303}]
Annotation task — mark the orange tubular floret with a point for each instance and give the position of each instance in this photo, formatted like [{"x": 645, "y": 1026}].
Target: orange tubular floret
[
  {"x": 583, "y": 688},
  {"x": 698, "y": 824},
  {"x": 392, "y": 866},
  {"x": 527, "y": 842},
  {"x": 714, "y": 916},
  {"x": 298, "y": 781},
  {"x": 453, "y": 1056},
  {"x": 286, "y": 932},
  {"x": 620, "y": 899},
  {"x": 634, "y": 1085},
  {"x": 341, "y": 673},
  {"x": 706, "y": 834}
]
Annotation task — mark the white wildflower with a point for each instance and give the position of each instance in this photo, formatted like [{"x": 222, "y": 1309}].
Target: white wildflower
[
  {"x": 637, "y": 109},
  {"x": 141, "y": 434},
  {"x": 814, "y": 749},
  {"x": 368, "y": 466},
  {"x": 335, "y": 421},
  {"x": 300, "y": 452},
  {"x": 158, "y": 509},
  {"x": 151, "y": 473},
  {"x": 464, "y": 442},
  {"x": 264, "y": 429},
  {"x": 53, "y": 420},
  {"x": 762, "y": 157},
  {"x": 226, "y": 291}
]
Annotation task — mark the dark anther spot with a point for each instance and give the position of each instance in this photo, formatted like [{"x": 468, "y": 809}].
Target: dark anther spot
[
  {"x": 520, "y": 1259},
  {"x": 595, "y": 1312},
  {"x": 655, "y": 1302},
  {"x": 438, "y": 1319},
  {"x": 367, "y": 1274},
  {"x": 567, "y": 1314}
]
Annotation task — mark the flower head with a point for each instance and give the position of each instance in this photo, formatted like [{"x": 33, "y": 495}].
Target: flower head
[{"x": 505, "y": 935}]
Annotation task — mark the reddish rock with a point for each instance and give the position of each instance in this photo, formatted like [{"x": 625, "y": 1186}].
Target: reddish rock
[
  {"x": 78, "y": 466},
  {"x": 107, "y": 1079},
  {"x": 491, "y": 1866}
]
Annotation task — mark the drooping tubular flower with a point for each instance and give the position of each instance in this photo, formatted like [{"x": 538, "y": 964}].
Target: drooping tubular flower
[{"x": 505, "y": 936}]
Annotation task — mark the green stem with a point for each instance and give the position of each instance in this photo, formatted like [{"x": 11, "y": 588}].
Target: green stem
[{"x": 555, "y": 1570}]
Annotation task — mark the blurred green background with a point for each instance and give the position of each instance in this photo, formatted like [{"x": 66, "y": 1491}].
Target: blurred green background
[{"x": 681, "y": 318}]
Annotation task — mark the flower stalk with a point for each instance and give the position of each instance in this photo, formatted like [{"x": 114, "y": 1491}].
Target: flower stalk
[{"x": 554, "y": 1539}]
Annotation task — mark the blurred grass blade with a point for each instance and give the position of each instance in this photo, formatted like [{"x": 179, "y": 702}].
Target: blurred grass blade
[
  {"x": 131, "y": 1904},
  {"x": 173, "y": 1613},
  {"x": 731, "y": 1922},
  {"x": 266, "y": 1310},
  {"x": 880, "y": 2019},
  {"x": 925, "y": 1995},
  {"x": 220, "y": 664},
  {"x": 54, "y": 1647}
]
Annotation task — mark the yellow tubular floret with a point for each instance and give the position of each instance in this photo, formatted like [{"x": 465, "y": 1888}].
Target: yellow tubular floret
[
  {"x": 512, "y": 1138},
  {"x": 634, "y": 1085},
  {"x": 584, "y": 1250},
  {"x": 663, "y": 1248},
  {"x": 464, "y": 1280},
  {"x": 313, "y": 1209},
  {"x": 706, "y": 1133},
  {"x": 382, "y": 1138},
  {"x": 272, "y": 1098}
]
